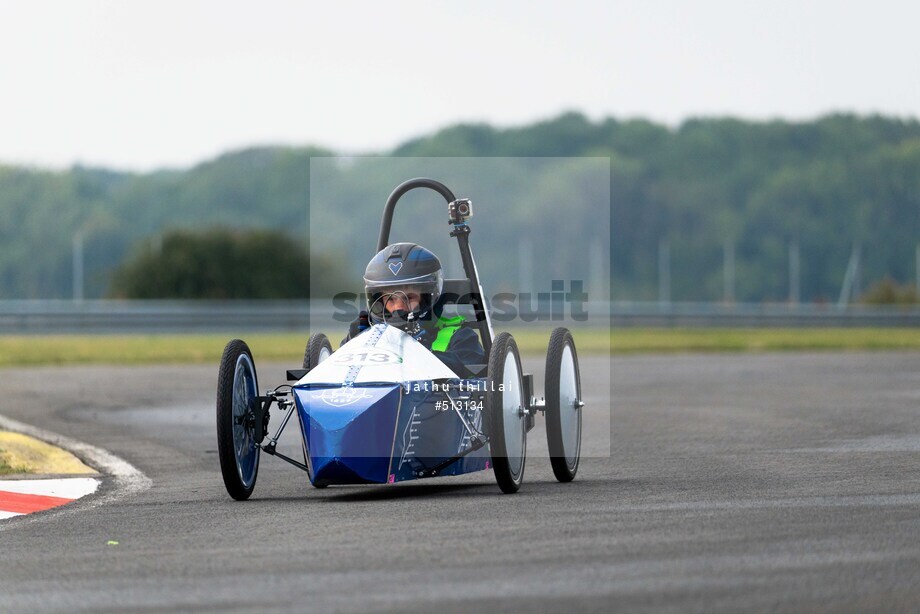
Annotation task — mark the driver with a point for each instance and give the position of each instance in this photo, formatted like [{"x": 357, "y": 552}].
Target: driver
[{"x": 403, "y": 284}]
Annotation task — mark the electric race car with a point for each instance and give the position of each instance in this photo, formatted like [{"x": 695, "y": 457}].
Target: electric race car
[{"x": 384, "y": 409}]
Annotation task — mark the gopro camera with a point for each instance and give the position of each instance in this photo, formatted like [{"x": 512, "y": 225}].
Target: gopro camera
[{"x": 460, "y": 210}]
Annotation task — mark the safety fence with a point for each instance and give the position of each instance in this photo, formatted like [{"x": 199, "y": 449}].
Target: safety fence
[{"x": 106, "y": 316}]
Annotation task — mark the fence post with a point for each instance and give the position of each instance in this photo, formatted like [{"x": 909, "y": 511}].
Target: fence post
[
  {"x": 728, "y": 278},
  {"x": 78, "y": 266},
  {"x": 917, "y": 281},
  {"x": 795, "y": 295},
  {"x": 664, "y": 273},
  {"x": 850, "y": 278}
]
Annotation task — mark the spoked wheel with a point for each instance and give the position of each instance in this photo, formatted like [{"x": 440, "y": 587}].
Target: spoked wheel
[
  {"x": 236, "y": 387},
  {"x": 318, "y": 349},
  {"x": 563, "y": 405},
  {"x": 507, "y": 415}
]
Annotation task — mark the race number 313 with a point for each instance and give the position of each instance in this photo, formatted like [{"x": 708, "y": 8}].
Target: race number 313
[{"x": 367, "y": 358}]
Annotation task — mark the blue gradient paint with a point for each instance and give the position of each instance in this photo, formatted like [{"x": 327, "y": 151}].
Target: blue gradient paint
[{"x": 381, "y": 433}]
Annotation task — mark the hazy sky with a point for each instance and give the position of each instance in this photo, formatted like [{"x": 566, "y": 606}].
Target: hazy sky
[{"x": 143, "y": 84}]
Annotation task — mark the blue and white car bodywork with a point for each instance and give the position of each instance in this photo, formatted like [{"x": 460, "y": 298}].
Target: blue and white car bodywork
[{"x": 384, "y": 409}]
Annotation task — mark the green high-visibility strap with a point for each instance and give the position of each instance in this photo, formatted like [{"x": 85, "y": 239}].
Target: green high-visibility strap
[{"x": 446, "y": 329}]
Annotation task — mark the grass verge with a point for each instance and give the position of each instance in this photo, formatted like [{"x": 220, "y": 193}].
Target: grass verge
[
  {"x": 32, "y": 350},
  {"x": 6, "y": 468},
  {"x": 627, "y": 341},
  {"x": 23, "y": 454}
]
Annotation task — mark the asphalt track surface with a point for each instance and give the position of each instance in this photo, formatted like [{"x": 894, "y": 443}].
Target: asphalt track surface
[{"x": 734, "y": 482}]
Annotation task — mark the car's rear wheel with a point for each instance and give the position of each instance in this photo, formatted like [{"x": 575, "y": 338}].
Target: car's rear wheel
[
  {"x": 318, "y": 349},
  {"x": 237, "y": 385},
  {"x": 563, "y": 405},
  {"x": 506, "y": 413}
]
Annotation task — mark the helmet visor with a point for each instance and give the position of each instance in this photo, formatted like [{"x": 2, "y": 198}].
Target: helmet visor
[{"x": 394, "y": 301}]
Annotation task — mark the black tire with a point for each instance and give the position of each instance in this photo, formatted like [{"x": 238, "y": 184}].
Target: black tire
[
  {"x": 507, "y": 429},
  {"x": 239, "y": 455},
  {"x": 313, "y": 354},
  {"x": 563, "y": 431}
]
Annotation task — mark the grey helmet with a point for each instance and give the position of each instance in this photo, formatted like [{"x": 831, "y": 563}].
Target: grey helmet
[{"x": 396, "y": 268}]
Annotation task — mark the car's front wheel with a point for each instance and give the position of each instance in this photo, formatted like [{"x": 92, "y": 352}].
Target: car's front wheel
[
  {"x": 505, "y": 405},
  {"x": 237, "y": 386}
]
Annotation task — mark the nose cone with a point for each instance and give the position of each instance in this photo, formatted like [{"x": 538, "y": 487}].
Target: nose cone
[{"x": 349, "y": 432}]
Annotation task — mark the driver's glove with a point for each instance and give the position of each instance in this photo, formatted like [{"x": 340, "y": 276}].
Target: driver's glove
[{"x": 359, "y": 325}]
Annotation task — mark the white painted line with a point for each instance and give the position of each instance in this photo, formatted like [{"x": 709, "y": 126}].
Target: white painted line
[
  {"x": 65, "y": 488},
  {"x": 128, "y": 480},
  {"x": 4, "y": 515}
]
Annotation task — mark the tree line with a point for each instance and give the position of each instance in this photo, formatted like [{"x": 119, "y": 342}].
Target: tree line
[{"x": 823, "y": 187}]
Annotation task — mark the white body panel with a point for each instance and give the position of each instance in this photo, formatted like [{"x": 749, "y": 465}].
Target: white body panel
[{"x": 380, "y": 354}]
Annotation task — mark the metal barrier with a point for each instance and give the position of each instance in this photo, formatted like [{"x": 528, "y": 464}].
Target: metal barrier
[{"x": 104, "y": 316}]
